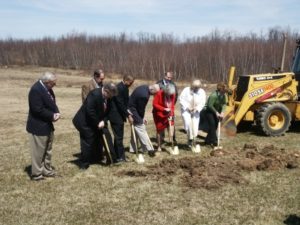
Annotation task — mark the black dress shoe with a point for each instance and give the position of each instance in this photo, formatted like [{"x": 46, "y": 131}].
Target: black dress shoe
[
  {"x": 151, "y": 153},
  {"x": 121, "y": 160},
  {"x": 190, "y": 142},
  {"x": 84, "y": 166},
  {"x": 211, "y": 144}
]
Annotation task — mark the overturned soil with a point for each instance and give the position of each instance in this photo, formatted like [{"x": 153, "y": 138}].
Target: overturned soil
[{"x": 220, "y": 168}]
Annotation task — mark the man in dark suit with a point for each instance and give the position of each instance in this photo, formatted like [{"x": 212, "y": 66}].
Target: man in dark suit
[
  {"x": 118, "y": 115},
  {"x": 95, "y": 82},
  {"x": 90, "y": 121},
  {"x": 43, "y": 111},
  {"x": 136, "y": 107}
]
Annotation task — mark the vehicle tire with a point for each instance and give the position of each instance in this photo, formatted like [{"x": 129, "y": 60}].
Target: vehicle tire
[{"x": 274, "y": 118}]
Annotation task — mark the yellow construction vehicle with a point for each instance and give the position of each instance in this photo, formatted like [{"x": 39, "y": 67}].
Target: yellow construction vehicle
[{"x": 270, "y": 100}]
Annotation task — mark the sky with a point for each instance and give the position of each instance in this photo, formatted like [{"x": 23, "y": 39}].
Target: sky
[{"x": 33, "y": 19}]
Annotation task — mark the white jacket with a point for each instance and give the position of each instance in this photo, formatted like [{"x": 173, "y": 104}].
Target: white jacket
[{"x": 189, "y": 99}]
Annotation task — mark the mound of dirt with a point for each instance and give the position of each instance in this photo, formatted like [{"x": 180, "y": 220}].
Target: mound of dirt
[{"x": 222, "y": 167}]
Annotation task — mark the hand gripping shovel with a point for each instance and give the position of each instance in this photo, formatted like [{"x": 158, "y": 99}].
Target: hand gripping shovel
[
  {"x": 173, "y": 150},
  {"x": 219, "y": 135},
  {"x": 139, "y": 157}
]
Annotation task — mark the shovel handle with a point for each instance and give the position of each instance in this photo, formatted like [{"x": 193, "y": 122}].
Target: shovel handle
[
  {"x": 219, "y": 132},
  {"x": 107, "y": 148},
  {"x": 171, "y": 131},
  {"x": 134, "y": 139}
]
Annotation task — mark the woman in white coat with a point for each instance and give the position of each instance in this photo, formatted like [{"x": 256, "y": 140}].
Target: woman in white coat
[{"x": 192, "y": 100}]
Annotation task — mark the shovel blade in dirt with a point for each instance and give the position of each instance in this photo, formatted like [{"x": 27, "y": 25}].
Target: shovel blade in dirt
[
  {"x": 174, "y": 150},
  {"x": 140, "y": 159},
  {"x": 218, "y": 147},
  {"x": 196, "y": 148}
]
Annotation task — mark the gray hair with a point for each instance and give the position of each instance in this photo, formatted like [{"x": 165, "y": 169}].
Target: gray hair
[
  {"x": 111, "y": 88},
  {"x": 48, "y": 76},
  {"x": 196, "y": 84},
  {"x": 169, "y": 89},
  {"x": 154, "y": 88}
]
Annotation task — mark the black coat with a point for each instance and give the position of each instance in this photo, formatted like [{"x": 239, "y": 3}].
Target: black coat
[
  {"x": 92, "y": 111},
  {"x": 137, "y": 103},
  {"x": 42, "y": 107},
  {"x": 118, "y": 111}
]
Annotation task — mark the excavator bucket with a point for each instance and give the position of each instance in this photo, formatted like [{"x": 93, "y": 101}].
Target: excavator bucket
[{"x": 228, "y": 123}]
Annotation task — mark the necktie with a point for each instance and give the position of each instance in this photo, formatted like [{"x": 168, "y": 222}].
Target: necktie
[{"x": 50, "y": 96}]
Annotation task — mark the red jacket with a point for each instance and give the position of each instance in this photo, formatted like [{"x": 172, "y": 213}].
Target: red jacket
[{"x": 159, "y": 114}]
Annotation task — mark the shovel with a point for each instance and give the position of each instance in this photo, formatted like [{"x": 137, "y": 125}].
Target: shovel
[
  {"x": 219, "y": 135},
  {"x": 173, "y": 150},
  {"x": 107, "y": 148},
  {"x": 195, "y": 148},
  {"x": 139, "y": 157}
]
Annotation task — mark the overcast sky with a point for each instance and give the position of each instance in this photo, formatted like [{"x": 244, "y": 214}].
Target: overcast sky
[{"x": 28, "y": 19}]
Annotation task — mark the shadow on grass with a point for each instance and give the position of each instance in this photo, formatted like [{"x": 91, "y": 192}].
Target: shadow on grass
[
  {"x": 77, "y": 160},
  {"x": 295, "y": 127},
  {"x": 292, "y": 220},
  {"x": 96, "y": 159},
  {"x": 28, "y": 170}
]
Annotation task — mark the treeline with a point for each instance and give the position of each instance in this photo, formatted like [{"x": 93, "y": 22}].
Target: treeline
[{"x": 148, "y": 56}]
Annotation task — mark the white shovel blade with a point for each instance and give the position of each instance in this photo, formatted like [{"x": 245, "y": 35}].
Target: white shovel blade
[
  {"x": 176, "y": 150},
  {"x": 140, "y": 159},
  {"x": 197, "y": 149}
]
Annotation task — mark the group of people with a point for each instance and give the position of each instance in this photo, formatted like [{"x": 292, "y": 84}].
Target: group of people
[{"x": 106, "y": 102}]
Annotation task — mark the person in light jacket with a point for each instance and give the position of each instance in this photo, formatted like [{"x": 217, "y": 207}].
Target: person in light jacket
[{"x": 192, "y": 100}]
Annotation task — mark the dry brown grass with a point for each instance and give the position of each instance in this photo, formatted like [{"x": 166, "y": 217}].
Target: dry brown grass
[{"x": 100, "y": 196}]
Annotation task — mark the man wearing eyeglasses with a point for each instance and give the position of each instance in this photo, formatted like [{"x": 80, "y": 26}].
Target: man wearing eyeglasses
[
  {"x": 43, "y": 112},
  {"x": 90, "y": 121},
  {"x": 95, "y": 82}
]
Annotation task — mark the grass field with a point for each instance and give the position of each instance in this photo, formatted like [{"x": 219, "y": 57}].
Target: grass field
[{"x": 160, "y": 191}]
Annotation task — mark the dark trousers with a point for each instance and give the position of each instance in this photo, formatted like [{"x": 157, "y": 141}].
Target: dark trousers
[
  {"x": 118, "y": 131},
  {"x": 91, "y": 142},
  {"x": 212, "y": 122}
]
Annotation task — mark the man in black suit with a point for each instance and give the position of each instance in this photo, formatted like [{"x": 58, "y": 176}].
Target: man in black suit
[
  {"x": 43, "y": 111},
  {"x": 90, "y": 121},
  {"x": 136, "y": 107},
  {"x": 118, "y": 115}
]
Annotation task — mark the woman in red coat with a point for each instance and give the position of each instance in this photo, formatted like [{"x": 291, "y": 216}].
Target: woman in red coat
[{"x": 163, "y": 110}]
